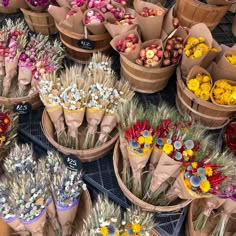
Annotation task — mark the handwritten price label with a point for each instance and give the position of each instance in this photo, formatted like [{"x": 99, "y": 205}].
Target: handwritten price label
[
  {"x": 23, "y": 108},
  {"x": 86, "y": 44},
  {"x": 72, "y": 163}
]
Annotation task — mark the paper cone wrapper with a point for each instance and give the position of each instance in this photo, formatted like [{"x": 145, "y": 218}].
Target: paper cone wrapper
[
  {"x": 17, "y": 4},
  {"x": 95, "y": 28},
  {"x": 132, "y": 56},
  {"x": 11, "y": 71},
  {"x": 229, "y": 206},
  {"x": 36, "y": 226},
  {"x": 195, "y": 70},
  {"x": 115, "y": 30},
  {"x": 74, "y": 23},
  {"x": 64, "y": 3},
  {"x": 66, "y": 216},
  {"x": 107, "y": 125},
  {"x": 155, "y": 157},
  {"x": 211, "y": 55},
  {"x": 36, "y": 9},
  {"x": 58, "y": 13},
  {"x": 166, "y": 168},
  {"x": 212, "y": 203},
  {"x": 179, "y": 189},
  {"x": 57, "y": 117},
  {"x": 16, "y": 225},
  {"x": 74, "y": 119},
  {"x": 137, "y": 162},
  {"x": 223, "y": 63},
  {"x": 94, "y": 118},
  {"x": 51, "y": 212},
  {"x": 24, "y": 77},
  {"x": 150, "y": 26},
  {"x": 198, "y": 30}
]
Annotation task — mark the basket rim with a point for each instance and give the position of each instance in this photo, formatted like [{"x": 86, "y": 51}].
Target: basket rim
[
  {"x": 73, "y": 151},
  {"x": 32, "y": 13},
  {"x": 137, "y": 201}
]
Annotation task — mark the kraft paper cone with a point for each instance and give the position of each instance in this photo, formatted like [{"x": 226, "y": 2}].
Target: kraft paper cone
[
  {"x": 211, "y": 55},
  {"x": 137, "y": 162},
  {"x": 166, "y": 167},
  {"x": 17, "y": 4},
  {"x": 220, "y": 73},
  {"x": 115, "y": 30},
  {"x": 66, "y": 216},
  {"x": 64, "y": 3},
  {"x": 58, "y": 13},
  {"x": 51, "y": 212},
  {"x": 132, "y": 56},
  {"x": 74, "y": 119},
  {"x": 17, "y": 226},
  {"x": 36, "y": 226},
  {"x": 74, "y": 23},
  {"x": 179, "y": 189},
  {"x": 155, "y": 157},
  {"x": 195, "y": 70},
  {"x": 24, "y": 77},
  {"x": 95, "y": 28},
  {"x": 55, "y": 113},
  {"x": 234, "y": 26},
  {"x": 150, "y": 26},
  {"x": 125, "y": 158},
  {"x": 198, "y": 30},
  {"x": 107, "y": 125}
]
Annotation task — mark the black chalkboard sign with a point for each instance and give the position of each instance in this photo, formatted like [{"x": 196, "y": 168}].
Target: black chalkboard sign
[
  {"x": 72, "y": 163},
  {"x": 86, "y": 44},
  {"x": 23, "y": 108}
]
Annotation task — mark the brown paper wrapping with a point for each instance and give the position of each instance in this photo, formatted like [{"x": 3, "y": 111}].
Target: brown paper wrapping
[
  {"x": 150, "y": 26},
  {"x": 17, "y": 4},
  {"x": 36, "y": 227},
  {"x": 195, "y": 70},
  {"x": 58, "y": 13},
  {"x": 74, "y": 119},
  {"x": 18, "y": 227},
  {"x": 51, "y": 212},
  {"x": 132, "y": 56},
  {"x": 66, "y": 218},
  {"x": 95, "y": 28},
  {"x": 219, "y": 73},
  {"x": 115, "y": 30},
  {"x": 211, "y": 55},
  {"x": 107, "y": 125},
  {"x": 179, "y": 189},
  {"x": 55, "y": 113},
  {"x": 220, "y": 2},
  {"x": 2, "y": 66},
  {"x": 155, "y": 157},
  {"x": 74, "y": 23},
  {"x": 11, "y": 71},
  {"x": 137, "y": 162},
  {"x": 125, "y": 158},
  {"x": 166, "y": 167},
  {"x": 198, "y": 30},
  {"x": 64, "y": 3},
  {"x": 24, "y": 77}
]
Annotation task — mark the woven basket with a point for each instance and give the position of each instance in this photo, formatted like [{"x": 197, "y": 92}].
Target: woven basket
[
  {"x": 145, "y": 80},
  {"x": 117, "y": 163},
  {"x": 194, "y": 210},
  {"x": 84, "y": 155},
  {"x": 209, "y": 114},
  {"x": 8, "y": 10},
  {"x": 70, "y": 41},
  {"x": 40, "y": 22},
  {"x": 191, "y": 12}
]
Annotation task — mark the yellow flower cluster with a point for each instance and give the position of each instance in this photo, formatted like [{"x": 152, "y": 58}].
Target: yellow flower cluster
[
  {"x": 231, "y": 59},
  {"x": 200, "y": 85},
  {"x": 168, "y": 148},
  {"x": 205, "y": 186},
  {"x": 195, "y": 47},
  {"x": 224, "y": 93},
  {"x": 146, "y": 141}
]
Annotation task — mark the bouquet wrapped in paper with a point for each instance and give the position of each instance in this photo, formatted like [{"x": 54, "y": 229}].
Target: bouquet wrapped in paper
[
  {"x": 122, "y": 93},
  {"x": 49, "y": 91},
  {"x": 39, "y": 5},
  {"x": 3, "y": 50},
  {"x": 74, "y": 95},
  {"x": 111, "y": 221},
  {"x": 101, "y": 86},
  {"x": 66, "y": 186}
]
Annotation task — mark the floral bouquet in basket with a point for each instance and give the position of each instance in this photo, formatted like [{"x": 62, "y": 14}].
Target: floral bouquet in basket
[
  {"x": 106, "y": 219},
  {"x": 39, "y": 5}
]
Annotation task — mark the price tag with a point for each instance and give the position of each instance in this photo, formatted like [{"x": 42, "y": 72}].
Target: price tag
[
  {"x": 86, "y": 44},
  {"x": 23, "y": 108},
  {"x": 72, "y": 163}
]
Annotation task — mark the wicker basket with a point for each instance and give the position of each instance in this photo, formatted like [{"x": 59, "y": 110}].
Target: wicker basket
[
  {"x": 70, "y": 41},
  {"x": 40, "y": 22},
  {"x": 117, "y": 163},
  {"x": 194, "y": 209},
  {"x": 33, "y": 99},
  {"x": 209, "y": 114},
  {"x": 145, "y": 80},
  {"x": 84, "y": 155},
  {"x": 191, "y": 12}
]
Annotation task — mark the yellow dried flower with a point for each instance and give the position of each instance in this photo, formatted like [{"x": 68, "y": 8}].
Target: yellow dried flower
[
  {"x": 205, "y": 186},
  {"x": 206, "y": 86},
  {"x": 206, "y": 79},
  {"x": 193, "y": 84}
]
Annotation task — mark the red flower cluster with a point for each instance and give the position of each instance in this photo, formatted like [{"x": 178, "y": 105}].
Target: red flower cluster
[
  {"x": 4, "y": 126},
  {"x": 230, "y": 136}
]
